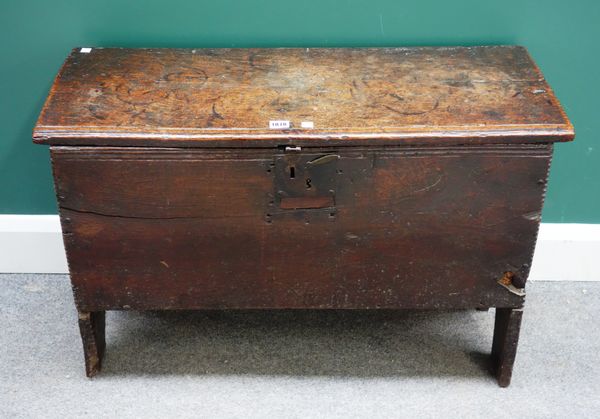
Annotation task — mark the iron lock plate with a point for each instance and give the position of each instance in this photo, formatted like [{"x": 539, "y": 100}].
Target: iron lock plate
[{"x": 304, "y": 184}]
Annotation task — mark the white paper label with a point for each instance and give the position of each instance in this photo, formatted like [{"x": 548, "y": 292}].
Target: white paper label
[
  {"x": 307, "y": 124},
  {"x": 279, "y": 124},
  {"x": 85, "y": 50}
]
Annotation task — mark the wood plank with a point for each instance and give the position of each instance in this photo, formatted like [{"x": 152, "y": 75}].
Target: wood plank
[
  {"x": 226, "y": 97},
  {"x": 411, "y": 228}
]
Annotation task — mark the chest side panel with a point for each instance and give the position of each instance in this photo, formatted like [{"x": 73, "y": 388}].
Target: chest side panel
[{"x": 391, "y": 227}]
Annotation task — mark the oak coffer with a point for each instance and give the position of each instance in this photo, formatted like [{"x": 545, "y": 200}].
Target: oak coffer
[{"x": 367, "y": 178}]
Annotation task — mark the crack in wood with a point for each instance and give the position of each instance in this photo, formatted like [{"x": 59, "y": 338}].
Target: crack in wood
[{"x": 184, "y": 217}]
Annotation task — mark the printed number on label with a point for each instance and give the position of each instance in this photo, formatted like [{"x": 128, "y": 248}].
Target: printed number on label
[{"x": 279, "y": 124}]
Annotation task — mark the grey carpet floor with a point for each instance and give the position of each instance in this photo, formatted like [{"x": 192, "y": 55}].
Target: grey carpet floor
[{"x": 273, "y": 364}]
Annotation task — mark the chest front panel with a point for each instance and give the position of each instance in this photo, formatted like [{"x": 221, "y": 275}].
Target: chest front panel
[{"x": 401, "y": 227}]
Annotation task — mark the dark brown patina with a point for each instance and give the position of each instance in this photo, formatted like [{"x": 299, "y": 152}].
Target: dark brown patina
[{"x": 409, "y": 178}]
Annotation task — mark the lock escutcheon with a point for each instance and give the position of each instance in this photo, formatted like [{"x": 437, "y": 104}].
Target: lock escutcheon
[{"x": 305, "y": 180}]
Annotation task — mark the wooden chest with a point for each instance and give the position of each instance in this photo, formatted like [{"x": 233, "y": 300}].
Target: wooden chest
[{"x": 402, "y": 178}]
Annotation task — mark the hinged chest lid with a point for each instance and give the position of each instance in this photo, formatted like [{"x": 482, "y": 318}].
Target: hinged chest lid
[{"x": 267, "y": 97}]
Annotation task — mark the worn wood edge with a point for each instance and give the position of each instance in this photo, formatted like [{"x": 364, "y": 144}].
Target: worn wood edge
[
  {"x": 263, "y": 138},
  {"x": 521, "y": 282},
  {"x": 552, "y": 96},
  {"x": 63, "y": 226},
  {"x": 52, "y": 92},
  {"x": 515, "y": 303},
  {"x": 100, "y": 153}
]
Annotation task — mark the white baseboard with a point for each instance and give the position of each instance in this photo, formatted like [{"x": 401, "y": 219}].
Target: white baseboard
[
  {"x": 31, "y": 244},
  {"x": 567, "y": 252},
  {"x": 564, "y": 252}
]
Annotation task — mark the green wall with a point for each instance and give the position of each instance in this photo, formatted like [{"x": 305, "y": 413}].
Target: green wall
[{"x": 36, "y": 35}]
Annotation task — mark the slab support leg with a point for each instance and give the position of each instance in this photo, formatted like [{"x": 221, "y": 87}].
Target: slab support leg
[
  {"x": 504, "y": 346},
  {"x": 91, "y": 327}
]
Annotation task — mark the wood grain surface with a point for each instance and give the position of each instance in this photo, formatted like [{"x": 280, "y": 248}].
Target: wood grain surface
[
  {"x": 406, "y": 227},
  {"x": 226, "y": 97}
]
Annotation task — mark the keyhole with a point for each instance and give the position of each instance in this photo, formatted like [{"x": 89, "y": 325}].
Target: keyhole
[
  {"x": 292, "y": 172},
  {"x": 308, "y": 184}
]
